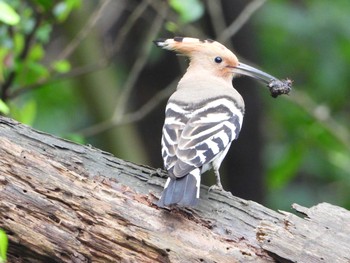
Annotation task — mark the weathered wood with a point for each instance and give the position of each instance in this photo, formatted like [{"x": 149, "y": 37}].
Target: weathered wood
[
  {"x": 64, "y": 202},
  {"x": 323, "y": 236}
]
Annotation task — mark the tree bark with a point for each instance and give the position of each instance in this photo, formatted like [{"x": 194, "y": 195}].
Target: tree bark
[{"x": 64, "y": 202}]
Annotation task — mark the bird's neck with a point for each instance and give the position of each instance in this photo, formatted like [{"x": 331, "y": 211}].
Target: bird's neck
[
  {"x": 195, "y": 69},
  {"x": 200, "y": 75}
]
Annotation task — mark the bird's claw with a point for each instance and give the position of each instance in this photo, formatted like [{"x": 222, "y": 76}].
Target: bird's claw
[{"x": 217, "y": 187}]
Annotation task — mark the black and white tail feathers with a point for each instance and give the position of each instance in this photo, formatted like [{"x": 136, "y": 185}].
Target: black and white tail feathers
[{"x": 183, "y": 192}]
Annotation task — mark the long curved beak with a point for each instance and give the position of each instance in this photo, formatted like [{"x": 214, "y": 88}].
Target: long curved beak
[
  {"x": 247, "y": 70},
  {"x": 276, "y": 86}
]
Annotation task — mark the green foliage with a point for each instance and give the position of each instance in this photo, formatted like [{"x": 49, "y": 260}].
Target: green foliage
[
  {"x": 25, "y": 113},
  {"x": 59, "y": 109},
  {"x": 310, "y": 43},
  {"x": 4, "y": 108},
  {"x": 75, "y": 138},
  {"x": 64, "y": 8},
  {"x": 189, "y": 11},
  {"x": 8, "y": 15},
  {"x": 61, "y": 66},
  {"x": 23, "y": 45},
  {"x": 171, "y": 27},
  {"x": 3, "y": 246},
  {"x": 23, "y": 51},
  {"x": 285, "y": 164}
]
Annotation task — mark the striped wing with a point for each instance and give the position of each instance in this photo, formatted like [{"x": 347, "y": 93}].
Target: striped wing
[
  {"x": 203, "y": 136},
  {"x": 175, "y": 121}
]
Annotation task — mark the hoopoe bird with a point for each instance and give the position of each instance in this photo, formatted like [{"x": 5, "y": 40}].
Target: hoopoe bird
[{"x": 203, "y": 116}]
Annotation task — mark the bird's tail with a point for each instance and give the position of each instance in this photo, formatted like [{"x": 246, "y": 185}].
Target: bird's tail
[{"x": 182, "y": 191}]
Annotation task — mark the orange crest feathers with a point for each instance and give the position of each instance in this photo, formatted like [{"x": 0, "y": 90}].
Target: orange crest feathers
[{"x": 188, "y": 45}]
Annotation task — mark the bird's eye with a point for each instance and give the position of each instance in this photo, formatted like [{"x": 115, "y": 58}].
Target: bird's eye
[{"x": 218, "y": 59}]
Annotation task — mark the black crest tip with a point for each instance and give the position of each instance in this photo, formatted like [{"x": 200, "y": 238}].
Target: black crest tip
[
  {"x": 178, "y": 39},
  {"x": 159, "y": 42}
]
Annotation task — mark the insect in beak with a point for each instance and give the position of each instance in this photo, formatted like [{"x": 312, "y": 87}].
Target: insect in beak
[{"x": 277, "y": 87}]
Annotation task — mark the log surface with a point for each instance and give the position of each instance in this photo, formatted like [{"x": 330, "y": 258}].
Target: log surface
[
  {"x": 64, "y": 202},
  {"x": 323, "y": 236}
]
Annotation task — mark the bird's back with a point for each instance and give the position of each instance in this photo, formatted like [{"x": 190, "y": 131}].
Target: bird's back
[{"x": 200, "y": 106}]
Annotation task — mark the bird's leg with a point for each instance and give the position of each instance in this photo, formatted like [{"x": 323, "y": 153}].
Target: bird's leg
[{"x": 218, "y": 185}]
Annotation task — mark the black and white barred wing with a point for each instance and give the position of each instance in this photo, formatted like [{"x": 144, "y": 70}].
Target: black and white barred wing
[
  {"x": 207, "y": 133},
  {"x": 175, "y": 121}
]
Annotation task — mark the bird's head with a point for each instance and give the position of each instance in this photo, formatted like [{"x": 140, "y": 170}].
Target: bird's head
[
  {"x": 205, "y": 55},
  {"x": 209, "y": 55}
]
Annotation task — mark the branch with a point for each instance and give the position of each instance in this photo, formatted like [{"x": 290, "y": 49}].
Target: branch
[
  {"x": 64, "y": 202},
  {"x": 84, "y": 31},
  {"x": 126, "y": 28},
  {"x": 304, "y": 101},
  {"x": 86, "y": 69},
  {"x": 63, "y": 55},
  {"x": 139, "y": 63},
  {"x": 190, "y": 29},
  {"x": 29, "y": 38},
  {"x": 144, "y": 110},
  {"x": 216, "y": 12},
  {"x": 22, "y": 56},
  {"x": 74, "y": 73},
  {"x": 135, "y": 116},
  {"x": 119, "y": 117},
  {"x": 240, "y": 21}
]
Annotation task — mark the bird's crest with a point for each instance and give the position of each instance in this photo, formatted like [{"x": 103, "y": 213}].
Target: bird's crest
[{"x": 188, "y": 45}]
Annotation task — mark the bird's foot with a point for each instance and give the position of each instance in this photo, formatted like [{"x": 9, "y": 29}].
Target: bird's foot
[
  {"x": 217, "y": 187},
  {"x": 159, "y": 172}
]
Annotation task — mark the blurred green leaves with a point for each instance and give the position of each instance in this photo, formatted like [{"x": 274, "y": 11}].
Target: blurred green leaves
[
  {"x": 61, "y": 66},
  {"x": 8, "y": 15},
  {"x": 189, "y": 10},
  {"x": 25, "y": 113},
  {"x": 22, "y": 46},
  {"x": 64, "y": 8},
  {"x": 4, "y": 109},
  {"x": 23, "y": 52},
  {"x": 284, "y": 166},
  {"x": 310, "y": 43},
  {"x": 3, "y": 246}
]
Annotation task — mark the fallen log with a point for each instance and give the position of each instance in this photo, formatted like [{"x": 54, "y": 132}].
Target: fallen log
[{"x": 65, "y": 202}]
